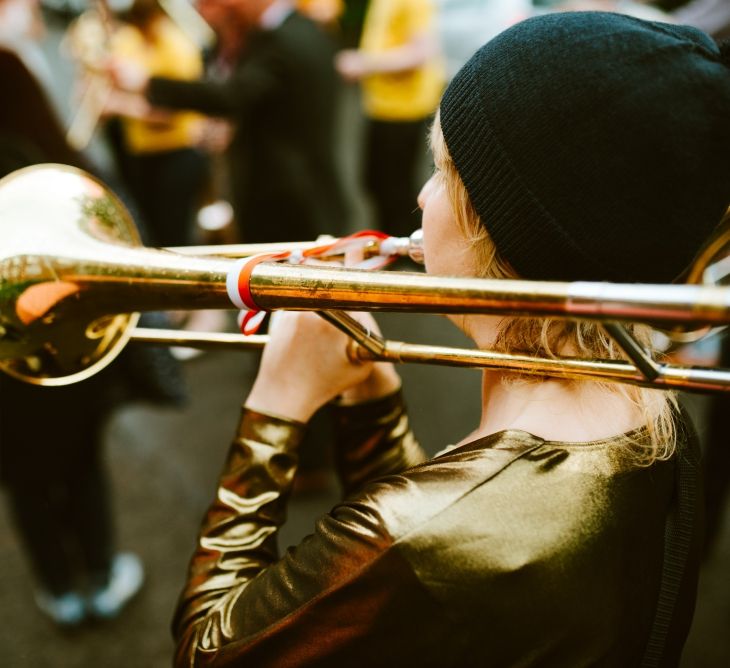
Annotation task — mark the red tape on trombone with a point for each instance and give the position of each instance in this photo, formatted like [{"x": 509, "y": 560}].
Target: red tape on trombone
[
  {"x": 238, "y": 285},
  {"x": 238, "y": 282}
]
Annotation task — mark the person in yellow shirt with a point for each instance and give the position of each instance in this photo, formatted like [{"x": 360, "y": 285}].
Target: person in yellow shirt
[
  {"x": 402, "y": 78},
  {"x": 163, "y": 168}
]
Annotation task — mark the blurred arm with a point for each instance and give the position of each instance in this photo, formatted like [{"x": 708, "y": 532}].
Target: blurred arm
[{"x": 250, "y": 82}]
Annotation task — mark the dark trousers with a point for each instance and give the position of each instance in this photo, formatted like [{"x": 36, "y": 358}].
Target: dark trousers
[
  {"x": 394, "y": 153},
  {"x": 55, "y": 483},
  {"x": 65, "y": 526},
  {"x": 167, "y": 186}
]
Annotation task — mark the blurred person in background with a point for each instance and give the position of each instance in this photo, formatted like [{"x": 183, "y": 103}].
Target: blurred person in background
[
  {"x": 282, "y": 96},
  {"x": 160, "y": 161},
  {"x": 30, "y": 125},
  {"x": 281, "y": 92},
  {"x": 399, "y": 65},
  {"x": 51, "y": 438},
  {"x": 162, "y": 156},
  {"x": 352, "y": 20},
  {"x": 21, "y": 30}
]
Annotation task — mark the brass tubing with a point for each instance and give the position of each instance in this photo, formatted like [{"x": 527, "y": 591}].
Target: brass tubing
[
  {"x": 693, "y": 379},
  {"x": 148, "y": 280},
  {"x": 411, "y": 246},
  {"x": 247, "y": 250},
  {"x": 371, "y": 346},
  {"x": 669, "y": 376},
  {"x": 643, "y": 361},
  {"x": 277, "y": 285},
  {"x": 371, "y": 342},
  {"x": 202, "y": 340},
  {"x": 144, "y": 280}
]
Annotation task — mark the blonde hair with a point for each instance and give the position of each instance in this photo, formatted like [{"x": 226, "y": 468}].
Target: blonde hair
[{"x": 546, "y": 337}]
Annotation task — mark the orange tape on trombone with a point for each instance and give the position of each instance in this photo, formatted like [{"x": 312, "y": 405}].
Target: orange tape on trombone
[{"x": 239, "y": 279}]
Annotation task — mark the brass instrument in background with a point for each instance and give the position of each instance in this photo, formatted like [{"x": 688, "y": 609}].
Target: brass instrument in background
[
  {"x": 73, "y": 274},
  {"x": 88, "y": 42}
]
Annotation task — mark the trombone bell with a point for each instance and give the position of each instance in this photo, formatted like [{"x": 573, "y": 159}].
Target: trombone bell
[
  {"x": 49, "y": 216},
  {"x": 71, "y": 261}
]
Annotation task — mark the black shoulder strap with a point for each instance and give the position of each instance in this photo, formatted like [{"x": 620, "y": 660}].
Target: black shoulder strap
[{"x": 679, "y": 530}]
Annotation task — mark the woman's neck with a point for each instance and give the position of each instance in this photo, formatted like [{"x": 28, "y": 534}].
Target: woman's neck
[
  {"x": 554, "y": 409},
  {"x": 551, "y": 408}
]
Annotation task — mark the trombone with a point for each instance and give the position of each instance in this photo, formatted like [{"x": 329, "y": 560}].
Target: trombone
[{"x": 73, "y": 276}]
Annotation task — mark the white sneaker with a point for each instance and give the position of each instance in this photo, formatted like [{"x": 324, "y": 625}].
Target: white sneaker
[
  {"x": 127, "y": 576},
  {"x": 65, "y": 610}
]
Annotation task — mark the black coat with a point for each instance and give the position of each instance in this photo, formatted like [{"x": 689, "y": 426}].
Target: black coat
[
  {"x": 29, "y": 129},
  {"x": 282, "y": 96},
  {"x": 41, "y": 427}
]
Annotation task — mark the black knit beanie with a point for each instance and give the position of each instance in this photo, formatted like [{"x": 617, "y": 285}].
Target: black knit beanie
[{"x": 594, "y": 146}]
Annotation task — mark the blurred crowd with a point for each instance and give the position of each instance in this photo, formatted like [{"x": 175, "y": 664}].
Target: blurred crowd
[
  {"x": 224, "y": 111},
  {"x": 238, "y": 100}
]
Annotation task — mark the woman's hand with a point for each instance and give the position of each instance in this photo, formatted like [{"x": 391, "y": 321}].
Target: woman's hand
[{"x": 305, "y": 365}]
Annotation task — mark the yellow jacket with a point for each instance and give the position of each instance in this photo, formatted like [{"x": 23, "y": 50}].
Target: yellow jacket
[
  {"x": 401, "y": 96},
  {"x": 169, "y": 53}
]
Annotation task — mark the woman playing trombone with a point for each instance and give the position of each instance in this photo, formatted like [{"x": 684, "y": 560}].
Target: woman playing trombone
[{"x": 572, "y": 147}]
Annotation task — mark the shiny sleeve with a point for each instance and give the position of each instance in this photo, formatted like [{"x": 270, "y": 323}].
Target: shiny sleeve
[
  {"x": 373, "y": 439},
  {"x": 238, "y": 536},
  {"x": 323, "y": 602}
]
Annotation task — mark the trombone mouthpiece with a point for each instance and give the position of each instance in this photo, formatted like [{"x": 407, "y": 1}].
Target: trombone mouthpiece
[
  {"x": 411, "y": 247},
  {"x": 415, "y": 246}
]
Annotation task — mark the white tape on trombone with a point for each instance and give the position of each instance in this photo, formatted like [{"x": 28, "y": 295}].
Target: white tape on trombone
[
  {"x": 232, "y": 283},
  {"x": 238, "y": 291}
]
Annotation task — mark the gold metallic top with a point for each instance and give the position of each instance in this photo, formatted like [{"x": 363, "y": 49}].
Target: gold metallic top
[{"x": 506, "y": 551}]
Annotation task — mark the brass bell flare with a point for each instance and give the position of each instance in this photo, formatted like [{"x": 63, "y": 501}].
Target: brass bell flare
[
  {"x": 73, "y": 273},
  {"x": 70, "y": 259}
]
